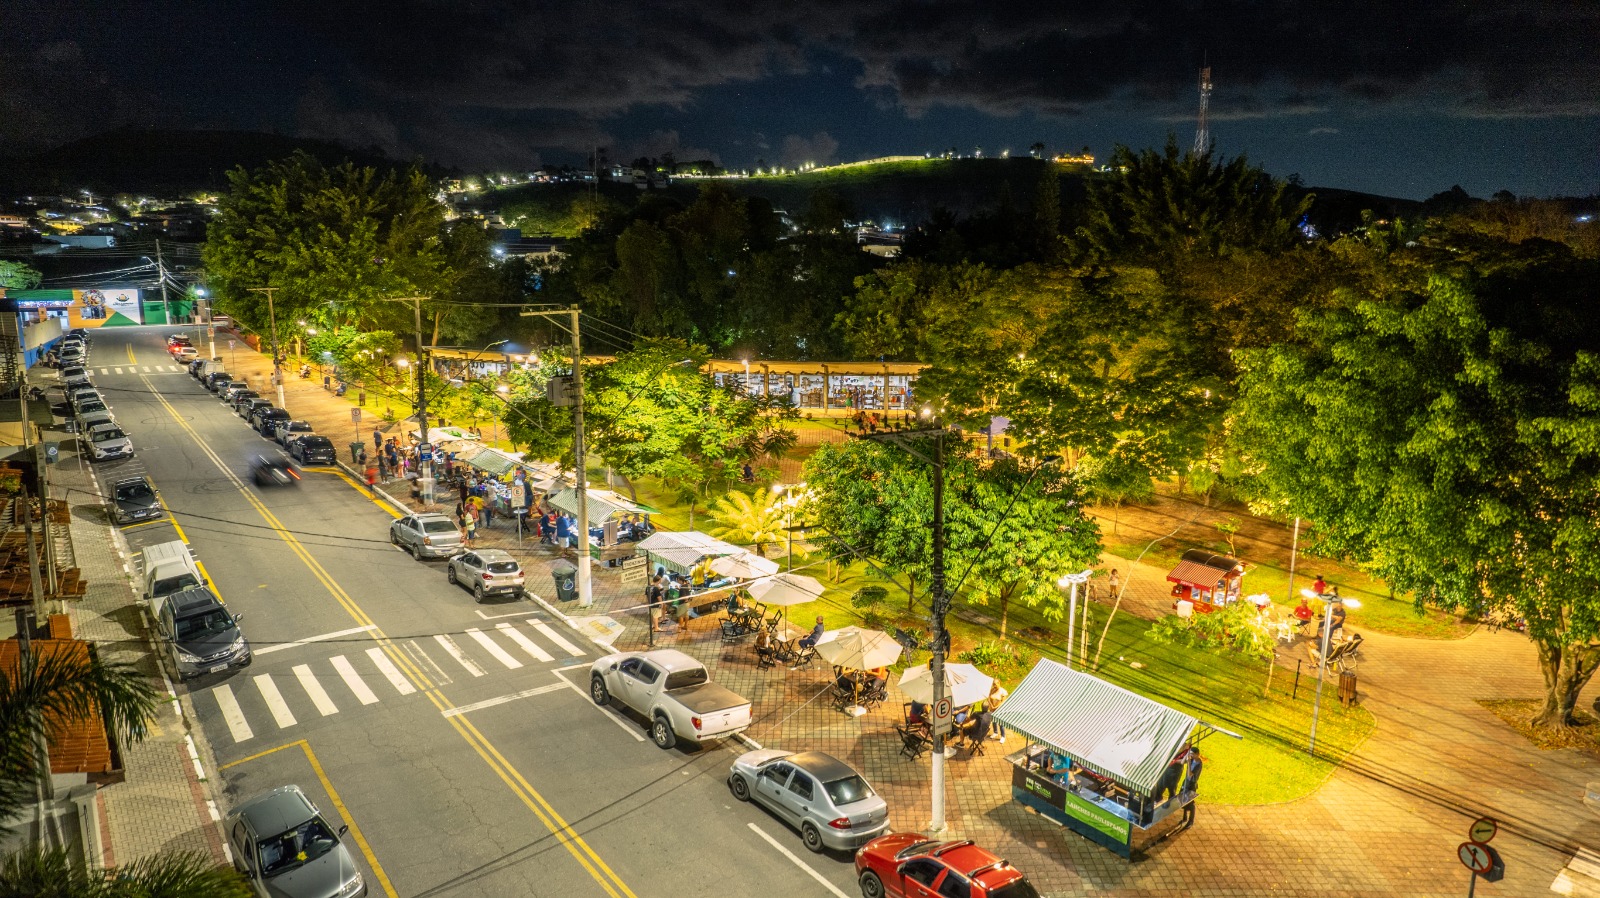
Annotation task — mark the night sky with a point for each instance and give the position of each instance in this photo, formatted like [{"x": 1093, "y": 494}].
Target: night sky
[{"x": 1401, "y": 98}]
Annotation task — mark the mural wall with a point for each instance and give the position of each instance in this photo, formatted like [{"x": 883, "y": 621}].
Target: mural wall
[{"x": 104, "y": 308}]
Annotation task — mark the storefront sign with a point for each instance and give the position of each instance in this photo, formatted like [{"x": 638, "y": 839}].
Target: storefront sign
[{"x": 1062, "y": 805}]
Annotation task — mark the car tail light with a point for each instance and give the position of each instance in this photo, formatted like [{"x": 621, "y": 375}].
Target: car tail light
[
  {"x": 841, "y": 823},
  {"x": 427, "y": 540},
  {"x": 696, "y": 721},
  {"x": 293, "y": 474},
  {"x": 488, "y": 576}
]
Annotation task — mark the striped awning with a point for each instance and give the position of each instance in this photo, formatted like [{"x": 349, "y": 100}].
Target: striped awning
[
  {"x": 1113, "y": 732},
  {"x": 681, "y": 551},
  {"x": 602, "y": 504}
]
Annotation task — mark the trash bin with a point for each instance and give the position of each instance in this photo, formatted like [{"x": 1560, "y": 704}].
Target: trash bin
[
  {"x": 355, "y": 451},
  {"x": 1347, "y": 688},
  {"x": 566, "y": 577}
]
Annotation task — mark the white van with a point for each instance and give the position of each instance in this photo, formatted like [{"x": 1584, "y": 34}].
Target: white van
[{"x": 168, "y": 568}]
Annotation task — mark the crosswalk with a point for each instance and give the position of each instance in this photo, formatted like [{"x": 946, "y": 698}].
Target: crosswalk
[
  {"x": 144, "y": 369},
  {"x": 331, "y": 685}
]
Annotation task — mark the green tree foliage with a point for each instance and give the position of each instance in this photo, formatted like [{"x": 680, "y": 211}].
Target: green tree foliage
[
  {"x": 1447, "y": 439},
  {"x": 51, "y": 873},
  {"x": 869, "y": 501},
  {"x": 1235, "y": 629},
  {"x": 754, "y": 519},
  {"x": 530, "y": 418},
  {"x": 18, "y": 275}
]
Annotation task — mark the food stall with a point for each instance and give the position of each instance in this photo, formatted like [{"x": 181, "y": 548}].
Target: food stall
[
  {"x": 606, "y": 511},
  {"x": 1205, "y": 580},
  {"x": 681, "y": 552},
  {"x": 1107, "y": 763}
]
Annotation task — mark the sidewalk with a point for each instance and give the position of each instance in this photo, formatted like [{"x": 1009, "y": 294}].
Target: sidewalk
[{"x": 1386, "y": 823}]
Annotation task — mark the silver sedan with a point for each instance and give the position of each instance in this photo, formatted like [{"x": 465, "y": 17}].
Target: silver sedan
[{"x": 828, "y": 802}]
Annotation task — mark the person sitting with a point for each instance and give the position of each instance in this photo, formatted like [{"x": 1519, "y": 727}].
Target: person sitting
[
  {"x": 976, "y": 728},
  {"x": 918, "y": 716},
  {"x": 809, "y": 641},
  {"x": 1302, "y": 615},
  {"x": 765, "y": 651}
]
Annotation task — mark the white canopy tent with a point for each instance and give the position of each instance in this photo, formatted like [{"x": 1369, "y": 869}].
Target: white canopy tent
[
  {"x": 602, "y": 504},
  {"x": 681, "y": 551}
]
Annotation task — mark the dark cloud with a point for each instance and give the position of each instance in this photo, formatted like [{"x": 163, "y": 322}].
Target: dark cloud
[{"x": 819, "y": 149}]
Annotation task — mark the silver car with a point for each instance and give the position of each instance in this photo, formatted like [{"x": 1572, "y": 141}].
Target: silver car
[
  {"x": 816, "y": 793},
  {"x": 426, "y": 536},
  {"x": 285, "y": 848},
  {"x": 485, "y": 572},
  {"x": 107, "y": 441}
]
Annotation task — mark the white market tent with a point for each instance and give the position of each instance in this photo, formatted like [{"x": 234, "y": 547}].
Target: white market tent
[
  {"x": 681, "y": 551},
  {"x": 602, "y": 504},
  {"x": 1106, "y": 728}
]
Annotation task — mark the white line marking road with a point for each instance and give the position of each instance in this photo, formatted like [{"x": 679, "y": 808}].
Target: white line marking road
[
  {"x": 337, "y": 634},
  {"x": 527, "y": 644},
  {"x": 450, "y": 646},
  {"x": 390, "y": 672},
  {"x": 797, "y": 862},
  {"x": 275, "y": 703},
  {"x": 499, "y": 616},
  {"x": 502, "y": 699},
  {"x": 319, "y": 696},
  {"x": 611, "y": 715},
  {"x": 423, "y": 659},
  {"x": 118, "y": 370},
  {"x": 493, "y": 648},
  {"x": 347, "y": 672},
  {"x": 556, "y": 638},
  {"x": 232, "y": 713}
]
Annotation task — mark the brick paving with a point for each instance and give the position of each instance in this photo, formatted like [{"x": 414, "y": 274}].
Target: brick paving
[{"x": 1386, "y": 823}]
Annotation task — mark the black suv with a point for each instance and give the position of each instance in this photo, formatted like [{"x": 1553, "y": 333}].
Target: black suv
[
  {"x": 313, "y": 450},
  {"x": 266, "y": 420},
  {"x": 215, "y": 380},
  {"x": 202, "y": 636}
]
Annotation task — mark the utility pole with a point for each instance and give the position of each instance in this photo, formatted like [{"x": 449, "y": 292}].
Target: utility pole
[
  {"x": 425, "y": 448},
  {"x": 161, "y": 272},
  {"x": 272, "y": 316},
  {"x": 580, "y": 475}
]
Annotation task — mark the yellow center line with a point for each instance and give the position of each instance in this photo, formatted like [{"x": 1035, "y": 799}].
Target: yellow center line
[
  {"x": 575, "y": 845},
  {"x": 173, "y": 518},
  {"x": 131, "y": 359},
  {"x": 338, "y": 804}
]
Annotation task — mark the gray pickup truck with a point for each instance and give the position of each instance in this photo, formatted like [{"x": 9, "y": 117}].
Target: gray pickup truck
[{"x": 673, "y": 692}]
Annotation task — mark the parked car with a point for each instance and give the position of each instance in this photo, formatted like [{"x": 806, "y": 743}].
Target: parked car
[
  {"x": 89, "y": 411},
  {"x": 216, "y": 380},
  {"x": 77, "y": 380},
  {"x": 312, "y": 450},
  {"x": 248, "y": 402},
  {"x": 168, "y": 567},
  {"x": 72, "y": 357},
  {"x": 134, "y": 499},
  {"x": 176, "y": 339},
  {"x": 288, "y": 431},
  {"x": 272, "y": 471},
  {"x": 91, "y": 420},
  {"x": 426, "y": 535},
  {"x": 266, "y": 420},
  {"x": 674, "y": 693},
  {"x": 185, "y": 354},
  {"x": 828, "y": 802},
  {"x": 232, "y": 390},
  {"x": 68, "y": 372},
  {"x": 912, "y": 865},
  {"x": 195, "y": 367},
  {"x": 81, "y": 394},
  {"x": 286, "y": 849},
  {"x": 107, "y": 441},
  {"x": 485, "y": 572},
  {"x": 200, "y": 633}
]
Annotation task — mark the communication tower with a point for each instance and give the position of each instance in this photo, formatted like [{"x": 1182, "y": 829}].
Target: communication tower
[{"x": 1202, "y": 133}]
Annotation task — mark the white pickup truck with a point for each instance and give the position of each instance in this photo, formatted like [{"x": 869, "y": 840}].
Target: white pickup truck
[{"x": 673, "y": 692}]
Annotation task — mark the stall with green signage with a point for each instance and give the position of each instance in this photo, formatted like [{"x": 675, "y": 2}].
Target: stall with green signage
[{"x": 1111, "y": 765}]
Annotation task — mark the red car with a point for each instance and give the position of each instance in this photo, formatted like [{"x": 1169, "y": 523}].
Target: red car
[{"x": 914, "y": 866}]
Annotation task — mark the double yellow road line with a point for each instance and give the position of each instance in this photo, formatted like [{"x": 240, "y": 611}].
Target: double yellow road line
[{"x": 585, "y": 855}]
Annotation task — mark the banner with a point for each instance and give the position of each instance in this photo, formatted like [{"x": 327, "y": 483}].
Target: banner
[{"x": 104, "y": 308}]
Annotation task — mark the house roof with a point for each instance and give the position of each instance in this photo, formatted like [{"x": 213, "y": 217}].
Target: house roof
[
  {"x": 1204, "y": 568},
  {"x": 76, "y": 746}
]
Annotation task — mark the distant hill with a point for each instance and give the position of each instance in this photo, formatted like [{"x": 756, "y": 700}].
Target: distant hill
[{"x": 166, "y": 162}]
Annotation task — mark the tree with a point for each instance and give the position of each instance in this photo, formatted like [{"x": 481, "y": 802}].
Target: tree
[
  {"x": 1037, "y": 149},
  {"x": 63, "y": 685},
  {"x": 756, "y": 520},
  {"x": 1448, "y": 439},
  {"x": 868, "y": 500},
  {"x": 50, "y": 873},
  {"x": 18, "y": 275}
]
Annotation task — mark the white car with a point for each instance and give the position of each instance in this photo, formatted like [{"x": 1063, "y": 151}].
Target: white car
[
  {"x": 107, "y": 441},
  {"x": 674, "y": 692},
  {"x": 185, "y": 354}
]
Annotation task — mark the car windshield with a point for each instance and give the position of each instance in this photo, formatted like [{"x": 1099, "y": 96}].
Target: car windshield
[
  {"x": 301, "y": 845},
  {"x": 93, "y": 405},
  {"x": 849, "y": 790},
  {"x": 199, "y": 626},
  {"x": 316, "y": 443},
  {"x": 110, "y": 433},
  {"x": 136, "y": 492},
  {"x": 299, "y": 426},
  {"x": 682, "y": 679},
  {"x": 174, "y": 584},
  {"x": 502, "y": 567},
  {"x": 438, "y": 527},
  {"x": 1019, "y": 889}
]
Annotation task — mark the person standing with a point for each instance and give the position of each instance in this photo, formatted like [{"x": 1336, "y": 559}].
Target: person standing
[
  {"x": 1114, "y": 583},
  {"x": 1320, "y": 587},
  {"x": 372, "y": 480},
  {"x": 377, "y": 440},
  {"x": 997, "y": 697},
  {"x": 470, "y": 530},
  {"x": 563, "y": 531}
]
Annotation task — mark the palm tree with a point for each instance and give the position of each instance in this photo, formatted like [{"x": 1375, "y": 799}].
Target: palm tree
[
  {"x": 50, "y": 873},
  {"x": 63, "y": 685},
  {"x": 743, "y": 518}
]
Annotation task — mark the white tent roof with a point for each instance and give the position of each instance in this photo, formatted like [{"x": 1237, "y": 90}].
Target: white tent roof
[
  {"x": 684, "y": 549},
  {"x": 1104, "y": 727},
  {"x": 602, "y": 503}
]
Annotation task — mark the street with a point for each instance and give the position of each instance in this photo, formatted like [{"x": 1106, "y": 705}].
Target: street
[{"x": 455, "y": 740}]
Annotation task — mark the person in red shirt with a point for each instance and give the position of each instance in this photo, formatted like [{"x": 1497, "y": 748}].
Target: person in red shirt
[
  {"x": 1302, "y": 615},
  {"x": 1320, "y": 587}
]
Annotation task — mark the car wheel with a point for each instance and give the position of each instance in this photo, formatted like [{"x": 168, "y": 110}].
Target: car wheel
[
  {"x": 416, "y": 552},
  {"x": 597, "y": 690},
  {"x": 393, "y": 540},
  {"x": 661, "y": 733},
  {"x": 477, "y": 593},
  {"x": 450, "y": 573},
  {"x": 739, "y": 788},
  {"x": 812, "y": 837},
  {"x": 871, "y": 885}
]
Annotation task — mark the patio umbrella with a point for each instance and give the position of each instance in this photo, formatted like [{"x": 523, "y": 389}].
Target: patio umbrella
[
  {"x": 858, "y": 648},
  {"x": 744, "y": 566},
  {"x": 963, "y": 684},
  {"x": 786, "y": 589}
]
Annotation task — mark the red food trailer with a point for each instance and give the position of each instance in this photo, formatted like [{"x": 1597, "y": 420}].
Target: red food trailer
[{"x": 1206, "y": 579}]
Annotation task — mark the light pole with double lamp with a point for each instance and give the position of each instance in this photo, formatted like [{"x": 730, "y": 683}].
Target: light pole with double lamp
[
  {"x": 1330, "y": 599},
  {"x": 1071, "y": 582}
]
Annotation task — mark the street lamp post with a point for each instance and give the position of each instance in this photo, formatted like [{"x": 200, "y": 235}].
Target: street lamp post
[
  {"x": 1331, "y": 599},
  {"x": 1072, "y": 582}
]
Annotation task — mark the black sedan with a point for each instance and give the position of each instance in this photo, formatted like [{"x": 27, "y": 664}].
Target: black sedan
[
  {"x": 134, "y": 500},
  {"x": 269, "y": 471}
]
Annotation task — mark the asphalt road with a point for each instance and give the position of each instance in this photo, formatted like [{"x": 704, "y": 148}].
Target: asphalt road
[{"x": 455, "y": 740}]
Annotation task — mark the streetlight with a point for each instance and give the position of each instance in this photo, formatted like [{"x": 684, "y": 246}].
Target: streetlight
[
  {"x": 1331, "y": 599},
  {"x": 1072, "y": 582},
  {"x": 793, "y": 495}
]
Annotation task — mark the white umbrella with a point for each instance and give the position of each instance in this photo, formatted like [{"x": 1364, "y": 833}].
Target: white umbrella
[
  {"x": 858, "y": 648},
  {"x": 786, "y": 589},
  {"x": 963, "y": 684},
  {"x": 744, "y": 566}
]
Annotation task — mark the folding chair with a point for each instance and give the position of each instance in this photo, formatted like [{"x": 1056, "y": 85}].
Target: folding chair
[
  {"x": 912, "y": 742},
  {"x": 804, "y": 655},
  {"x": 732, "y": 629},
  {"x": 875, "y": 694}
]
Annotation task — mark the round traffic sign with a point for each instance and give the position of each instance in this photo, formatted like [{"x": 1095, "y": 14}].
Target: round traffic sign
[
  {"x": 941, "y": 709},
  {"x": 1475, "y": 856},
  {"x": 1483, "y": 830}
]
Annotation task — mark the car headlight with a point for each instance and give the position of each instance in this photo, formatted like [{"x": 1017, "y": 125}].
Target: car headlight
[
  {"x": 238, "y": 644},
  {"x": 352, "y": 886},
  {"x": 188, "y": 658}
]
